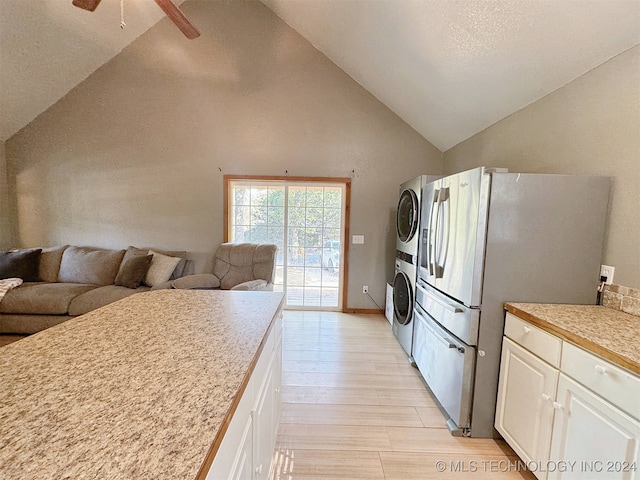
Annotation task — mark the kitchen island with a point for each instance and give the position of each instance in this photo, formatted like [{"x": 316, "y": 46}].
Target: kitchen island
[{"x": 143, "y": 388}]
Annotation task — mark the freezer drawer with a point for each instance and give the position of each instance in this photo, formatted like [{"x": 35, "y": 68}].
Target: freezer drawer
[
  {"x": 456, "y": 318},
  {"x": 446, "y": 365}
]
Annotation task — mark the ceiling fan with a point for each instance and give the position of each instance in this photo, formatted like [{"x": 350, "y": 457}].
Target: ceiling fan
[{"x": 170, "y": 9}]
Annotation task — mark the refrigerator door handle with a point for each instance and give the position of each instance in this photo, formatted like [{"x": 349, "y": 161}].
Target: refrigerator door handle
[
  {"x": 432, "y": 232},
  {"x": 444, "y": 237},
  {"x": 437, "y": 243}
]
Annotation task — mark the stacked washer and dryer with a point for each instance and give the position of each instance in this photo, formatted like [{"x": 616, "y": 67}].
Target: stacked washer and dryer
[{"x": 404, "y": 281}]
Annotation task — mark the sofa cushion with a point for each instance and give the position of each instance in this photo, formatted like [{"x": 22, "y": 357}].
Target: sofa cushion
[
  {"x": 200, "y": 281},
  {"x": 42, "y": 298},
  {"x": 28, "y": 324},
  {"x": 161, "y": 269},
  {"x": 179, "y": 270},
  {"x": 101, "y": 296},
  {"x": 264, "y": 261},
  {"x": 168, "y": 285},
  {"x": 236, "y": 263},
  {"x": 95, "y": 266},
  {"x": 50, "y": 259},
  {"x": 254, "y": 285},
  {"x": 133, "y": 271},
  {"x": 24, "y": 264}
]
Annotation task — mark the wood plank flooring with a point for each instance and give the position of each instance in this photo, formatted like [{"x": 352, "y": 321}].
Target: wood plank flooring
[{"x": 353, "y": 408}]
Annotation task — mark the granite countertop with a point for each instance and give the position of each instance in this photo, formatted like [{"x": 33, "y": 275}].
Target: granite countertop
[
  {"x": 137, "y": 389},
  {"x": 606, "y": 332}
]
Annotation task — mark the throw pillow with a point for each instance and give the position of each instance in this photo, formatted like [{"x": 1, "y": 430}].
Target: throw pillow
[
  {"x": 24, "y": 264},
  {"x": 133, "y": 271},
  {"x": 134, "y": 252},
  {"x": 162, "y": 266}
]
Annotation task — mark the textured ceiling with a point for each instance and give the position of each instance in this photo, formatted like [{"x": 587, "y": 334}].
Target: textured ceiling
[
  {"x": 47, "y": 47},
  {"x": 449, "y": 68}
]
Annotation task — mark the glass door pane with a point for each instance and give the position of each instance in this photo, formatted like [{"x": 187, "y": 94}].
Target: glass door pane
[{"x": 306, "y": 222}]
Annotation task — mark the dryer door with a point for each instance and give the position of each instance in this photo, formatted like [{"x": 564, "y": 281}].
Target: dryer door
[
  {"x": 402, "y": 298},
  {"x": 408, "y": 215}
]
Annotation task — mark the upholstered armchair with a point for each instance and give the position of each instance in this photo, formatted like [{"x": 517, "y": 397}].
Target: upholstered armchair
[{"x": 236, "y": 266}]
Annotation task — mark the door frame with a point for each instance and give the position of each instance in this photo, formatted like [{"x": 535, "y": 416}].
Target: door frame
[{"x": 228, "y": 178}]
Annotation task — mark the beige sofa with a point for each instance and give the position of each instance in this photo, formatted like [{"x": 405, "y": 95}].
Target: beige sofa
[
  {"x": 236, "y": 266},
  {"x": 71, "y": 281}
]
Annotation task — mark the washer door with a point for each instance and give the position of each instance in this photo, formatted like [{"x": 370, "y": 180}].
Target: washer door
[
  {"x": 402, "y": 298},
  {"x": 408, "y": 215}
]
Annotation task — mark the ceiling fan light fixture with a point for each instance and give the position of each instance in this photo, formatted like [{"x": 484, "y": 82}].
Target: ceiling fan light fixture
[
  {"x": 176, "y": 16},
  {"x": 170, "y": 9},
  {"x": 89, "y": 5}
]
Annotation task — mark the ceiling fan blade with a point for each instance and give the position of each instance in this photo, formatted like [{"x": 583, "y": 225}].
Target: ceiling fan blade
[
  {"x": 86, "y": 4},
  {"x": 177, "y": 17}
]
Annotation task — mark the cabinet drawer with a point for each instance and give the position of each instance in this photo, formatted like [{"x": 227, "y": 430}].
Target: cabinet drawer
[
  {"x": 616, "y": 385},
  {"x": 534, "y": 339}
]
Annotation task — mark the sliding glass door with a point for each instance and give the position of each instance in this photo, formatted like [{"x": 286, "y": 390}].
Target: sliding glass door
[{"x": 306, "y": 220}]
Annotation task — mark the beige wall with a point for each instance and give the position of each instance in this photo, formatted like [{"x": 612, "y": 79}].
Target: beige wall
[
  {"x": 136, "y": 153},
  {"x": 6, "y": 233},
  {"x": 590, "y": 126}
]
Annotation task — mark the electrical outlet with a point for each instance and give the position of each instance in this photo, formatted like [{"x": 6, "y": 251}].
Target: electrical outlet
[
  {"x": 365, "y": 289},
  {"x": 607, "y": 271}
]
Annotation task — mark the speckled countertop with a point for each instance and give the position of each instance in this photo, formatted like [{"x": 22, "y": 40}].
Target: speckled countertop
[
  {"x": 136, "y": 390},
  {"x": 610, "y": 333}
]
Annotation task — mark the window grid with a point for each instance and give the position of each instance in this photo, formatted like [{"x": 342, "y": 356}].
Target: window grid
[{"x": 309, "y": 257}]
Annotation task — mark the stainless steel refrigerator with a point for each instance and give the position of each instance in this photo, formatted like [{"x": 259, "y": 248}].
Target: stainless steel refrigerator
[{"x": 487, "y": 237}]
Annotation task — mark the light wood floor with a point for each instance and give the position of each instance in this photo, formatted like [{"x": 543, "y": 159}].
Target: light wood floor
[{"x": 353, "y": 408}]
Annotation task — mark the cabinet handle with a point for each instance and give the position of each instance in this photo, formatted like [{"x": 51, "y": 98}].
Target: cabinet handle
[
  {"x": 600, "y": 369},
  {"x": 526, "y": 329},
  {"x": 277, "y": 389},
  {"x": 557, "y": 406},
  {"x": 546, "y": 397},
  {"x": 259, "y": 469}
]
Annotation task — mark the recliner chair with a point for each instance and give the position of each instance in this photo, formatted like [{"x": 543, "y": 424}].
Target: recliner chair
[{"x": 236, "y": 266}]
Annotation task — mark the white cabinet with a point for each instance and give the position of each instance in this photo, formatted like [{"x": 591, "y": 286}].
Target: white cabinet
[
  {"x": 589, "y": 432},
  {"x": 246, "y": 450},
  {"x": 242, "y": 468},
  {"x": 266, "y": 416},
  {"x": 566, "y": 412},
  {"x": 524, "y": 413}
]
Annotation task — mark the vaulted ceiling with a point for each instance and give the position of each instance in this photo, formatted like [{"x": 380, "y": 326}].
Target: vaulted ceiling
[{"x": 449, "y": 68}]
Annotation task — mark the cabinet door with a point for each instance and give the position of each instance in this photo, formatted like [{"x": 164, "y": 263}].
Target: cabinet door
[
  {"x": 242, "y": 468},
  {"x": 277, "y": 389},
  {"x": 264, "y": 426},
  {"x": 524, "y": 413},
  {"x": 603, "y": 441}
]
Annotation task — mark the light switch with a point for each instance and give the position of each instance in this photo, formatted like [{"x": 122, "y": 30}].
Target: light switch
[{"x": 357, "y": 239}]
